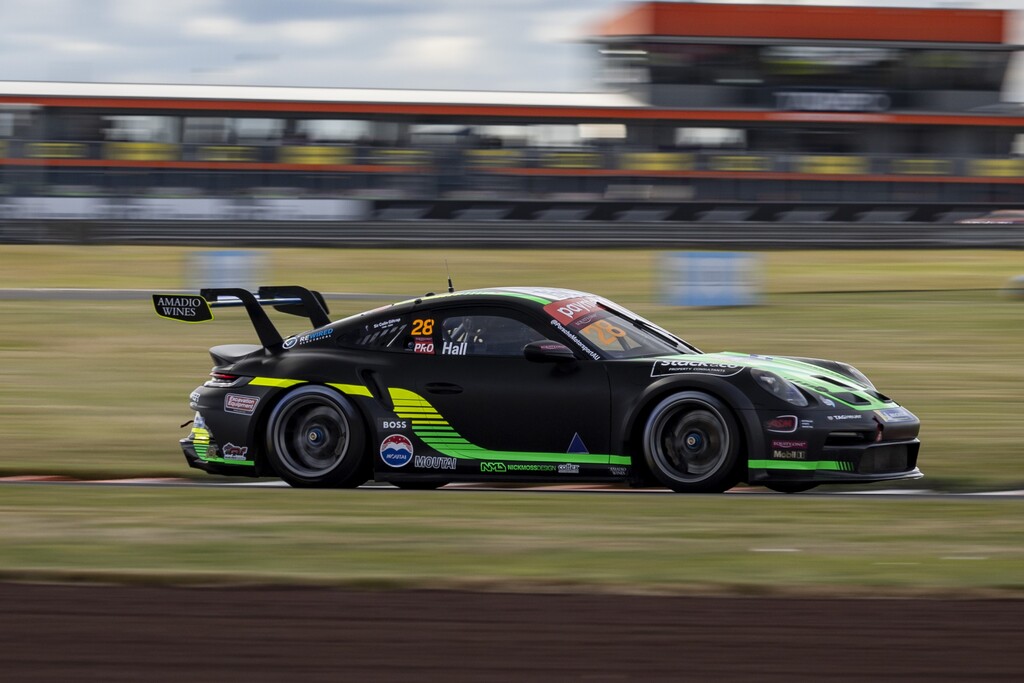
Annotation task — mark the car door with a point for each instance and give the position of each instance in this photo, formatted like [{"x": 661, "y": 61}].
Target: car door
[{"x": 480, "y": 383}]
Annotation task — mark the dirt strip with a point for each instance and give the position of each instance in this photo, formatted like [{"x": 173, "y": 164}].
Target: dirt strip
[{"x": 132, "y": 633}]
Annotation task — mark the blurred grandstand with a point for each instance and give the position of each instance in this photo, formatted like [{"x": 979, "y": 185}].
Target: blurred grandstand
[{"x": 713, "y": 115}]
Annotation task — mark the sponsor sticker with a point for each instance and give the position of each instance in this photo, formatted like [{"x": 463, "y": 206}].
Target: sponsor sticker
[
  {"x": 569, "y": 468},
  {"x": 240, "y": 404},
  {"x": 434, "y": 462},
  {"x": 387, "y": 424},
  {"x": 232, "y": 452},
  {"x": 662, "y": 368},
  {"x": 309, "y": 337},
  {"x": 193, "y": 399},
  {"x": 528, "y": 467},
  {"x": 568, "y": 310},
  {"x": 575, "y": 340},
  {"x": 453, "y": 348},
  {"x": 841, "y": 418},
  {"x": 189, "y": 309},
  {"x": 385, "y": 323},
  {"x": 423, "y": 345},
  {"x": 491, "y": 467},
  {"x": 588, "y": 319},
  {"x": 789, "y": 449},
  {"x": 895, "y": 415},
  {"x": 577, "y": 445},
  {"x": 396, "y": 451},
  {"x": 618, "y": 471}
]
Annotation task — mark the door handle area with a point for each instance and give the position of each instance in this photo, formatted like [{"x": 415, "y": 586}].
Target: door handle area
[{"x": 445, "y": 388}]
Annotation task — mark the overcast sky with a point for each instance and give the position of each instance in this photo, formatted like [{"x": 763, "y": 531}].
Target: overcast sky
[{"x": 438, "y": 44}]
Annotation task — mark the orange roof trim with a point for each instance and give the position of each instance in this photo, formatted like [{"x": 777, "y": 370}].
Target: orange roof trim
[{"x": 812, "y": 22}]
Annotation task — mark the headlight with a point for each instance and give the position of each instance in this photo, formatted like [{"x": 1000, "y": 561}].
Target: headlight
[
  {"x": 857, "y": 375},
  {"x": 779, "y": 387}
]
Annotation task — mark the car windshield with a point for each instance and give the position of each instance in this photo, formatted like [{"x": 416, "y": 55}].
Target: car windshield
[{"x": 616, "y": 333}]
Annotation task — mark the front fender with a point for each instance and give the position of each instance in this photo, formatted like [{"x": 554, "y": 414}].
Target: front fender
[{"x": 742, "y": 407}]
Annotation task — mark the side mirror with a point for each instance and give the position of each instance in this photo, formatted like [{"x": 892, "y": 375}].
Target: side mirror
[{"x": 545, "y": 351}]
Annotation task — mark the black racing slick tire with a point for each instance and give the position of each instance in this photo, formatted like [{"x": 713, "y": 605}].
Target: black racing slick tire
[
  {"x": 691, "y": 443},
  {"x": 316, "y": 439}
]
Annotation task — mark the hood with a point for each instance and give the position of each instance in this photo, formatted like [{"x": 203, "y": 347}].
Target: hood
[{"x": 832, "y": 386}]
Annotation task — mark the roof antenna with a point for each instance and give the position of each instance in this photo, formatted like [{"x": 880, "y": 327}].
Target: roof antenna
[{"x": 451, "y": 288}]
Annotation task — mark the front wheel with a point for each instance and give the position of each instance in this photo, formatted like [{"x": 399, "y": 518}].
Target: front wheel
[
  {"x": 315, "y": 438},
  {"x": 691, "y": 444}
]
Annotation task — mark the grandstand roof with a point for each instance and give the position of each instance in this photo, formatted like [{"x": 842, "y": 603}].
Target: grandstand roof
[
  {"x": 45, "y": 91},
  {"x": 808, "y": 22}
]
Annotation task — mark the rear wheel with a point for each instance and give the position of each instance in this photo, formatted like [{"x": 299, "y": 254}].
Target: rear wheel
[
  {"x": 315, "y": 438},
  {"x": 691, "y": 443}
]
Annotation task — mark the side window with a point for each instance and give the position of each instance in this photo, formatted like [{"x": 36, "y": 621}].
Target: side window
[
  {"x": 484, "y": 335},
  {"x": 382, "y": 333}
]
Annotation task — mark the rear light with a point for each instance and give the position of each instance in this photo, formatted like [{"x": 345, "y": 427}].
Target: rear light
[
  {"x": 782, "y": 423},
  {"x": 224, "y": 379}
]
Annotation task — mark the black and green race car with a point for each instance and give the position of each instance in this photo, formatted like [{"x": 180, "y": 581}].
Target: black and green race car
[{"x": 525, "y": 384}]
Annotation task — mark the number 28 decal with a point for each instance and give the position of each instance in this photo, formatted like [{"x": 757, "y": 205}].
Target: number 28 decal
[
  {"x": 423, "y": 327},
  {"x": 608, "y": 334}
]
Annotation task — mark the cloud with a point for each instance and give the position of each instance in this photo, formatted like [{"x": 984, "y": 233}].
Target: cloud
[
  {"x": 219, "y": 27},
  {"x": 159, "y": 15},
  {"x": 315, "y": 33},
  {"x": 434, "y": 52},
  {"x": 442, "y": 44},
  {"x": 84, "y": 47}
]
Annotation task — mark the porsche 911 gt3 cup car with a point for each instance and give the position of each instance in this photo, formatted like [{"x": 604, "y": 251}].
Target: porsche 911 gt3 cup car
[{"x": 525, "y": 384}]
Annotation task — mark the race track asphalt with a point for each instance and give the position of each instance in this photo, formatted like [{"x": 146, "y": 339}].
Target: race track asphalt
[{"x": 106, "y": 633}]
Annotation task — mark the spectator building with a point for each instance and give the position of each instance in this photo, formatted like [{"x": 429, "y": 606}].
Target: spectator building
[{"x": 699, "y": 102}]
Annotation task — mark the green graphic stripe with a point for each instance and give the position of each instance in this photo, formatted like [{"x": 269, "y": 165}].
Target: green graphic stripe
[
  {"x": 444, "y": 439},
  {"x": 803, "y": 465},
  {"x": 350, "y": 389},
  {"x": 807, "y": 376},
  {"x": 520, "y": 295},
  {"x": 274, "y": 382}
]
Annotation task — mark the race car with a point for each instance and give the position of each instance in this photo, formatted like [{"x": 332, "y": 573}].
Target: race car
[{"x": 524, "y": 384}]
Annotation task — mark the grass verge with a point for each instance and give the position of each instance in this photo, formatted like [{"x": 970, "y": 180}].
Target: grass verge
[{"x": 519, "y": 541}]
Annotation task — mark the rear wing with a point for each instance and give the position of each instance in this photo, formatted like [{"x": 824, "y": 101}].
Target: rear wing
[{"x": 290, "y": 299}]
